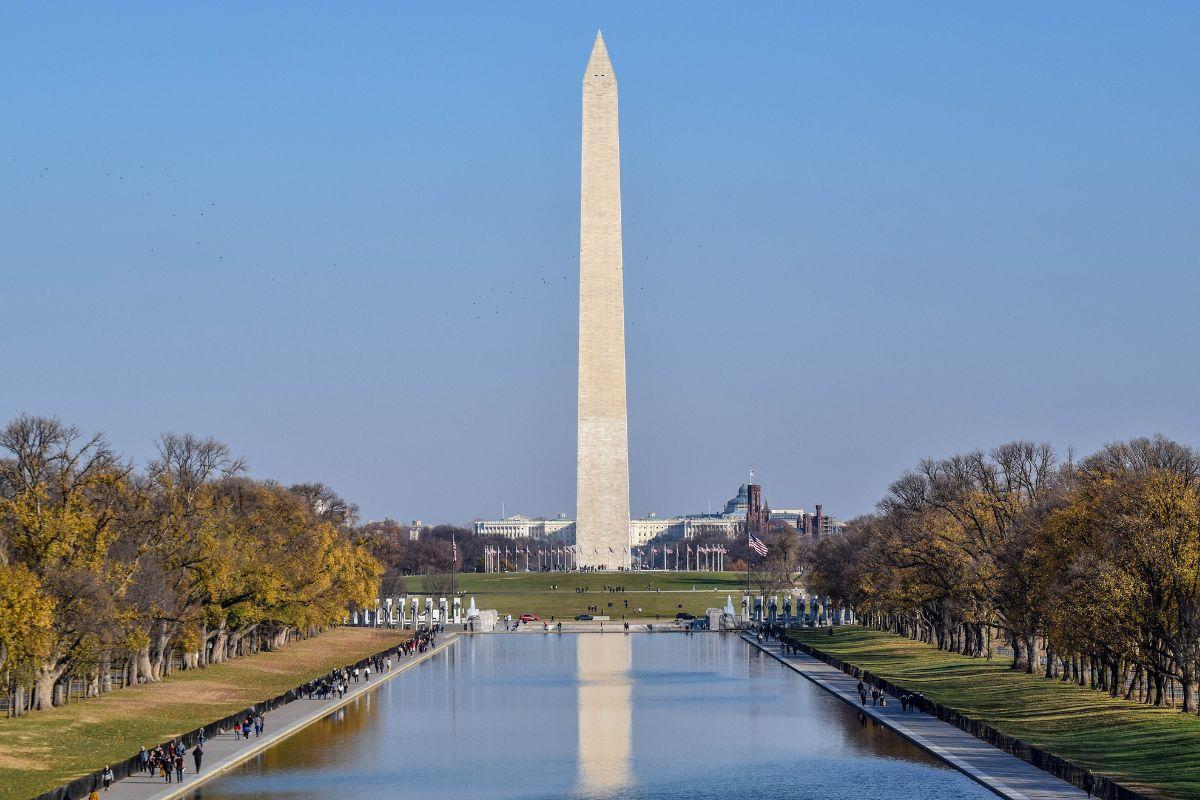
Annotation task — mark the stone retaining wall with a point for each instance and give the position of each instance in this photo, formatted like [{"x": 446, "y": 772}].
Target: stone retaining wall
[
  {"x": 1085, "y": 779},
  {"x": 79, "y": 788}
]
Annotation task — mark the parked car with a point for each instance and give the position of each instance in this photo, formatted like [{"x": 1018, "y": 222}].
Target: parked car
[
  {"x": 530, "y": 618},
  {"x": 684, "y": 615},
  {"x": 583, "y": 617}
]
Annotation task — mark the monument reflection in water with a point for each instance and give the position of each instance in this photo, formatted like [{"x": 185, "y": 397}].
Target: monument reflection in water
[
  {"x": 610, "y": 716},
  {"x": 604, "y": 667}
]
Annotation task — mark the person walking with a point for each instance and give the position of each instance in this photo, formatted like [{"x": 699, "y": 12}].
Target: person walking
[
  {"x": 179, "y": 766},
  {"x": 259, "y": 724},
  {"x": 198, "y": 756},
  {"x": 107, "y": 777},
  {"x": 93, "y": 794},
  {"x": 143, "y": 759}
]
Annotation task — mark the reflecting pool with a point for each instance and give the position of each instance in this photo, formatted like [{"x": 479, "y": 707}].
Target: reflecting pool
[{"x": 594, "y": 716}]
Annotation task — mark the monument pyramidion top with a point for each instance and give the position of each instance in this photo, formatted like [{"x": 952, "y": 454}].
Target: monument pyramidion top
[{"x": 599, "y": 66}]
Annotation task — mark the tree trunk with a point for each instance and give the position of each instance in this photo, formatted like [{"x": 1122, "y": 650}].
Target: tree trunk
[
  {"x": 279, "y": 640},
  {"x": 1134, "y": 681},
  {"x": 1159, "y": 692},
  {"x": 160, "y": 650},
  {"x": 105, "y": 685},
  {"x": 45, "y": 679},
  {"x": 217, "y": 651},
  {"x": 144, "y": 667}
]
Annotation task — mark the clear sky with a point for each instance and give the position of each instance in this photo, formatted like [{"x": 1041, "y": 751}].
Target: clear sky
[{"x": 343, "y": 238}]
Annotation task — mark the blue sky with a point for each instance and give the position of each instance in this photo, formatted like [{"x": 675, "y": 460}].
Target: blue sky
[{"x": 343, "y": 238}]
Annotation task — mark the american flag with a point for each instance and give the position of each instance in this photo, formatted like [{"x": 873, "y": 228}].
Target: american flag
[{"x": 757, "y": 545}]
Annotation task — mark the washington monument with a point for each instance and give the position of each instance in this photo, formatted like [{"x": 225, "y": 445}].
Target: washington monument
[{"x": 602, "y": 466}]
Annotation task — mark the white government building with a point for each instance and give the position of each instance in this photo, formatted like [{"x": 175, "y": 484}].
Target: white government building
[{"x": 727, "y": 523}]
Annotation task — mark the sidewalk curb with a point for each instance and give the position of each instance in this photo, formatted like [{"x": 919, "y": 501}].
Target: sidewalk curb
[
  {"x": 283, "y": 733},
  {"x": 989, "y": 782}
]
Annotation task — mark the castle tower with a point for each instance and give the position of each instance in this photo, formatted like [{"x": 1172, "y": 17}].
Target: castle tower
[{"x": 602, "y": 465}]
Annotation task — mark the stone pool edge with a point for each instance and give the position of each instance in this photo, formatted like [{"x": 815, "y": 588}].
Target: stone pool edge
[
  {"x": 984, "y": 779},
  {"x": 271, "y": 739}
]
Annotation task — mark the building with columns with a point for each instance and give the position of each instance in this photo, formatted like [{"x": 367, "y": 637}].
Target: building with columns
[{"x": 746, "y": 505}]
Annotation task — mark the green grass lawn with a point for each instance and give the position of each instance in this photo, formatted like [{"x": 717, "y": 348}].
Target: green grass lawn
[
  {"x": 49, "y": 748},
  {"x": 727, "y": 582},
  {"x": 662, "y": 593},
  {"x": 1152, "y": 750}
]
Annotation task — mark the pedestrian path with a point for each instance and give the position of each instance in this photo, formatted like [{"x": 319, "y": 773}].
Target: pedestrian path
[
  {"x": 1003, "y": 773},
  {"x": 224, "y": 752}
]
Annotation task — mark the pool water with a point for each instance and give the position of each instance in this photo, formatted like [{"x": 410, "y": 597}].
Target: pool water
[{"x": 659, "y": 716}]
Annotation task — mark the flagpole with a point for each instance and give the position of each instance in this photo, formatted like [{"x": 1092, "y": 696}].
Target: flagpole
[{"x": 748, "y": 551}]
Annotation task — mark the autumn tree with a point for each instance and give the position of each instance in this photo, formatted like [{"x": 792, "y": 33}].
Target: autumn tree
[
  {"x": 61, "y": 496},
  {"x": 101, "y": 565}
]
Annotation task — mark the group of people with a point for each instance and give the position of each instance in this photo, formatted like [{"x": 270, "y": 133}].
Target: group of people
[
  {"x": 424, "y": 640},
  {"x": 167, "y": 760},
  {"x": 336, "y": 684},
  {"x": 253, "y": 722},
  {"x": 770, "y": 631},
  {"x": 331, "y": 685},
  {"x": 879, "y": 698},
  {"x": 788, "y": 646}
]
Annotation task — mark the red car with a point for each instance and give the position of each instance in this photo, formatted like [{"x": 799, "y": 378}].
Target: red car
[{"x": 530, "y": 618}]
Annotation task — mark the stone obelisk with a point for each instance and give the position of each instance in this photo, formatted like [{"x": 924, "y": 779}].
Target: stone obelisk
[{"x": 602, "y": 466}]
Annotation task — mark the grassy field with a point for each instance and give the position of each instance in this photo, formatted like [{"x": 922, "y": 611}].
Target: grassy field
[
  {"x": 662, "y": 593},
  {"x": 1152, "y": 750},
  {"x": 47, "y": 748}
]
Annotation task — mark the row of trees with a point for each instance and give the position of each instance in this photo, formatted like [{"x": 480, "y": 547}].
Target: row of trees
[
  {"x": 106, "y": 568},
  {"x": 1089, "y": 571}
]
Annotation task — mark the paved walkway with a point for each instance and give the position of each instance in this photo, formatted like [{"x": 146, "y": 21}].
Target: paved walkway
[
  {"x": 224, "y": 752},
  {"x": 1005, "y": 774}
]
